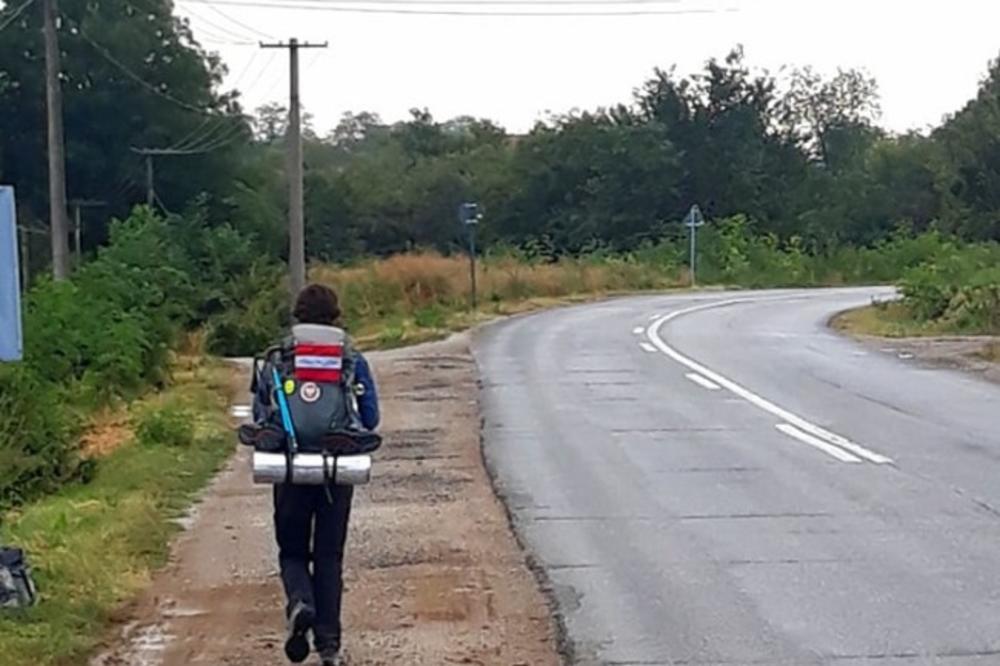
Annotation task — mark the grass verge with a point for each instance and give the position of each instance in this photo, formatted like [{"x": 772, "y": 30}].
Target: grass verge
[
  {"x": 417, "y": 297},
  {"x": 888, "y": 320},
  {"x": 94, "y": 546}
]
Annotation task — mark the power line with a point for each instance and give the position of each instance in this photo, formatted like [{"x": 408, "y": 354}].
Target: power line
[
  {"x": 190, "y": 138},
  {"x": 228, "y": 33},
  {"x": 138, "y": 79},
  {"x": 330, "y": 7},
  {"x": 17, "y": 12},
  {"x": 499, "y": 4},
  {"x": 240, "y": 23}
]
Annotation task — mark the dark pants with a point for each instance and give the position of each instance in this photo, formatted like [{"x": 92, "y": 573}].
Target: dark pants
[{"x": 311, "y": 528}]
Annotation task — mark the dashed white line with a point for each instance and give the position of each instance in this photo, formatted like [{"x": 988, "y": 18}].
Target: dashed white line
[
  {"x": 648, "y": 347},
  {"x": 701, "y": 381},
  {"x": 639, "y": 330},
  {"x": 816, "y": 442},
  {"x": 653, "y": 333}
]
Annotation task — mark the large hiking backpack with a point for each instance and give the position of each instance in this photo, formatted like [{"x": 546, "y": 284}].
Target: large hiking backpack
[
  {"x": 315, "y": 374},
  {"x": 17, "y": 587}
]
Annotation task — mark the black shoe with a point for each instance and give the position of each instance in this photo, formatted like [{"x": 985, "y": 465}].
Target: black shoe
[
  {"x": 330, "y": 657},
  {"x": 300, "y": 621}
]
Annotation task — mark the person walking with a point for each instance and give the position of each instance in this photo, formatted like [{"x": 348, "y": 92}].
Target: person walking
[{"x": 311, "y": 522}]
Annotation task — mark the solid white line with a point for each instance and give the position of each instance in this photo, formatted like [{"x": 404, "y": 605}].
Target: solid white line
[
  {"x": 701, "y": 381},
  {"x": 829, "y": 449},
  {"x": 648, "y": 347},
  {"x": 639, "y": 330},
  {"x": 653, "y": 333}
]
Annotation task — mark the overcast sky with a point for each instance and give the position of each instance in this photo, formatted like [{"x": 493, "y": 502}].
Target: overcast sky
[{"x": 927, "y": 55}]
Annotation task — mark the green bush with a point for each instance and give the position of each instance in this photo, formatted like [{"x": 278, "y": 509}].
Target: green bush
[
  {"x": 432, "y": 316},
  {"x": 169, "y": 425},
  {"x": 37, "y": 449},
  {"x": 256, "y": 314},
  {"x": 958, "y": 287},
  {"x": 106, "y": 335}
]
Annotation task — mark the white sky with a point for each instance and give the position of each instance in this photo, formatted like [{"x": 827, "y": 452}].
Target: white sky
[{"x": 927, "y": 55}]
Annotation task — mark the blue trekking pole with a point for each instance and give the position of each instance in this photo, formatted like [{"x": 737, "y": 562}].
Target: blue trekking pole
[{"x": 286, "y": 416}]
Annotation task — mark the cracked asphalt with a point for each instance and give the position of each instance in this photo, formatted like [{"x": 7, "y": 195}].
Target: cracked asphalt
[{"x": 720, "y": 479}]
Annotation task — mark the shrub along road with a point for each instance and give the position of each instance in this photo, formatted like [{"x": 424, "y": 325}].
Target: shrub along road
[{"x": 434, "y": 575}]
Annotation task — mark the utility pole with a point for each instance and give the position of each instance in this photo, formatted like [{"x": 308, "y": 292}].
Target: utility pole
[
  {"x": 25, "y": 257},
  {"x": 150, "y": 181},
  {"x": 149, "y": 154},
  {"x": 57, "y": 156},
  {"x": 296, "y": 218},
  {"x": 25, "y": 231},
  {"x": 77, "y": 205}
]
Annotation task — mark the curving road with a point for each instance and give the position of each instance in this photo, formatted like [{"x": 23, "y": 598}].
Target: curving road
[{"x": 720, "y": 479}]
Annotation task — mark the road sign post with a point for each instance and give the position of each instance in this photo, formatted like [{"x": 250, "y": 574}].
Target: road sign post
[
  {"x": 469, "y": 216},
  {"x": 694, "y": 220},
  {"x": 10, "y": 287}
]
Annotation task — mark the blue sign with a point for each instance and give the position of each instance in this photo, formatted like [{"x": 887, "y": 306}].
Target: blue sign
[
  {"x": 468, "y": 213},
  {"x": 10, "y": 287}
]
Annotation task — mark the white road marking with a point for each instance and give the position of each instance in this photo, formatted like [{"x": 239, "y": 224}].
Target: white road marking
[
  {"x": 701, "y": 381},
  {"x": 648, "y": 347},
  {"x": 653, "y": 333},
  {"x": 829, "y": 449},
  {"x": 653, "y": 317},
  {"x": 639, "y": 330}
]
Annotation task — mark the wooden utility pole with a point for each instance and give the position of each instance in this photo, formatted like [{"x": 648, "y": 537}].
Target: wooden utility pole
[
  {"x": 57, "y": 156},
  {"x": 25, "y": 258},
  {"x": 150, "y": 181},
  {"x": 149, "y": 154},
  {"x": 78, "y": 205},
  {"x": 296, "y": 217}
]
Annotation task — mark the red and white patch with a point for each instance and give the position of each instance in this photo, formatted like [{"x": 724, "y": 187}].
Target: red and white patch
[
  {"x": 310, "y": 392},
  {"x": 319, "y": 363}
]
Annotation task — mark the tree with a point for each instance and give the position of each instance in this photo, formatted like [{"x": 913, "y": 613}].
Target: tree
[
  {"x": 971, "y": 144},
  {"x": 133, "y": 75},
  {"x": 830, "y": 118}
]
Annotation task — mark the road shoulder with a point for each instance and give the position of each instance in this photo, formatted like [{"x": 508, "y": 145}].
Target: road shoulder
[
  {"x": 434, "y": 574},
  {"x": 975, "y": 354}
]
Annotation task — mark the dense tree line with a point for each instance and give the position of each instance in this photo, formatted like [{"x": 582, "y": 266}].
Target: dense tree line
[{"x": 800, "y": 155}]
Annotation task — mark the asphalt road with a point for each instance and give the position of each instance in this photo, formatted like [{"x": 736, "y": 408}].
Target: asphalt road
[{"x": 720, "y": 479}]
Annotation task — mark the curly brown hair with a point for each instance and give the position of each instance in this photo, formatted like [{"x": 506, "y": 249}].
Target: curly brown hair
[{"x": 317, "y": 304}]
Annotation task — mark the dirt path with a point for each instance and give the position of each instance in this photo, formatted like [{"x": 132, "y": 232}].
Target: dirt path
[{"x": 434, "y": 574}]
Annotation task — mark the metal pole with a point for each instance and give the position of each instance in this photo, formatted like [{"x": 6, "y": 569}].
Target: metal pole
[
  {"x": 472, "y": 264},
  {"x": 694, "y": 251},
  {"x": 56, "y": 145},
  {"x": 150, "y": 182},
  {"x": 296, "y": 221},
  {"x": 25, "y": 258},
  {"x": 77, "y": 233}
]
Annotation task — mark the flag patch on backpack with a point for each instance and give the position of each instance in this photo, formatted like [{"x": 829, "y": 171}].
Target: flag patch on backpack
[{"x": 318, "y": 362}]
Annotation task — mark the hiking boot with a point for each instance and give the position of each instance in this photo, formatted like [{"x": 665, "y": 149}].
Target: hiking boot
[
  {"x": 331, "y": 657},
  {"x": 300, "y": 621}
]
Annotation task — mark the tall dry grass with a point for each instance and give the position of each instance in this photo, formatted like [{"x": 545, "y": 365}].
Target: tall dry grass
[{"x": 429, "y": 287}]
